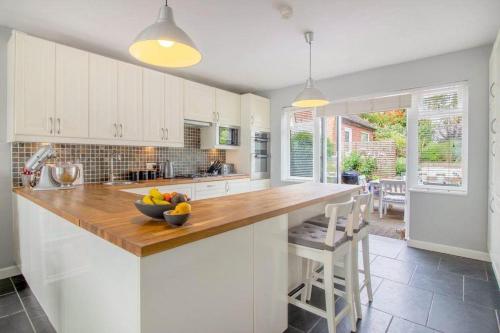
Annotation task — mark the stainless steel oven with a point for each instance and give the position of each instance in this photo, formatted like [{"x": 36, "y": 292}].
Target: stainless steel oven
[{"x": 261, "y": 155}]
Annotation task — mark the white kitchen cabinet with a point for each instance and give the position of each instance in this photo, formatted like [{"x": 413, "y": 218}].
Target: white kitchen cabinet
[
  {"x": 31, "y": 85},
  {"x": 259, "y": 109},
  {"x": 103, "y": 97},
  {"x": 72, "y": 92},
  {"x": 260, "y": 184},
  {"x": 153, "y": 102},
  {"x": 210, "y": 190},
  {"x": 235, "y": 186},
  {"x": 174, "y": 104},
  {"x": 227, "y": 108},
  {"x": 199, "y": 102},
  {"x": 129, "y": 102}
]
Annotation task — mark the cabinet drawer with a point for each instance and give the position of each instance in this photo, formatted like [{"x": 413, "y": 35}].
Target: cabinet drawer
[
  {"x": 210, "y": 190},
  {"x": 262, "y": 184},
  {"x": 238, "y": 186}
]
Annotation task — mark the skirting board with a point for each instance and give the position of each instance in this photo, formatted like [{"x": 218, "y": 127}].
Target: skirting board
[
  {"x": 9, "y": 271},
  {"x": 456, "y": 251}
]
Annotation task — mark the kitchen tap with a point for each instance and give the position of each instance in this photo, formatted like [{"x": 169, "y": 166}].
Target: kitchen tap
[{"x": 115, "y": 156}]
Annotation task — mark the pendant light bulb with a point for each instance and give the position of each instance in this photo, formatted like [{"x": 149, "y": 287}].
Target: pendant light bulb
[
  {"x": 310, "y": 96},
  {"x": 164, "y": 44}
]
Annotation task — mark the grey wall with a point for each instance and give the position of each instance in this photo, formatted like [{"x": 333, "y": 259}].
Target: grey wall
[
  {"x": 459, "y": 221},
  {"x": 6, "y": 251}
]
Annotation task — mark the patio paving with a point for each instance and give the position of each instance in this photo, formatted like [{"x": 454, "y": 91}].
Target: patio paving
[{"x": 390, "y": 225}]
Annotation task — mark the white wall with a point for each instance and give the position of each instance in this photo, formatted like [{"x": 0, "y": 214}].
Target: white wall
[
  {"x": 459, "y": 221},
  {"x": 6, "y": 251}
]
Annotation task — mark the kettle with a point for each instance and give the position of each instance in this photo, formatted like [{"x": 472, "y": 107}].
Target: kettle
[{"x": 168, "y": 170}]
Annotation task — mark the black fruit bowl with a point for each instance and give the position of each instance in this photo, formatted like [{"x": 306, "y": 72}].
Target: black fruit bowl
[
  {"x": 153, "y": 211},
  {"x": 175, "y": 220}
]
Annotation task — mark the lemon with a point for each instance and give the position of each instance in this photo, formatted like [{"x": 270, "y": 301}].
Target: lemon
[
  {"x": 160, "y": 202},
  {"x": 156, "y": 194},
  {"x": 147, "y": 200},
  {"x": 183, "y": 208}
]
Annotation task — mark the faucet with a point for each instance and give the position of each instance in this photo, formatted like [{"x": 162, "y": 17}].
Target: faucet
[{"x": 114, "y": 156}]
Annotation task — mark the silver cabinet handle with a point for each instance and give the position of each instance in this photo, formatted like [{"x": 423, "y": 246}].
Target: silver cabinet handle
[
  {"x": 218, "y": 117},
  {"x": 491, "y": 205},
  {"x": 166, "y": 131},
  {"x": 252, "y": 119},
  {"x": 58, "y": 125},
  {"x": 492, "y": 126},
  {"x": 227, "y": 187},
  {"x": 215, "y": 116},
  {"x": 493, "y": 148},
  {"x": 116, "y": 129},
  {"x": 51, "y": 120},
  {"x": 121, "y": 130},
  {"x": 162, "y": 133},
  {"x": 491, "y": 89}
]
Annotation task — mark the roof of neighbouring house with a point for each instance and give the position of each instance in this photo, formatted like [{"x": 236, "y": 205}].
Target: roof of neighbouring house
[{"x": 360, "y": 121}]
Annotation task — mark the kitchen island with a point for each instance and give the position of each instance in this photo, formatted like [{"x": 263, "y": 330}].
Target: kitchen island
[{"x": 96, "y": 264}]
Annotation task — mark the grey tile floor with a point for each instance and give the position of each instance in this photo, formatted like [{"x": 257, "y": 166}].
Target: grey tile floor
[
  {"x": 416, "y": 291},
  {"x": 19, "y": 309}
]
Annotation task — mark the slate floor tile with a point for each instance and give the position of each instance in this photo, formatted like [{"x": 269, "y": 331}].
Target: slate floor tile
[
  {"x": 438, "y": 281},
  {"x": 403, "y": 301},
  {"x": 480, "y": 292},
  {"x": 451, "y": 315},
  {"x": 392, "y": 269},
  {"x": 21, "y": 286},
  {"x": 16, "y": 323},
  {"x": 33, "y": 308},
  {"x": 420, "y": 257},
  {"x": 384, "y": 246},
  {"x": 291, "y": 329},
  {"x": 463, "y": 266},
  {"x": 399, "y": 325},
  {"x": 6, "y": 286},
  {"x": 373, "y": 321},
  {"x": 9, "y": 304},
  {"x": 301, "y": 319},
  {"x": 376, "y": 281},
  {"x": 43, "y": 325}
]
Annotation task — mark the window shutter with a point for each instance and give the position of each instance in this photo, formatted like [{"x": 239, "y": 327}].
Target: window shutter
[
  {"x": 301, "y": 127},
  {"x": 441, "y": 114}
]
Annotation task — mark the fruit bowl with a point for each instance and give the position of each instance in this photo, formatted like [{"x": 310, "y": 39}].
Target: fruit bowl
[
  {"x": 153, "y": 211},
  {"x": 175, "y": 220}
]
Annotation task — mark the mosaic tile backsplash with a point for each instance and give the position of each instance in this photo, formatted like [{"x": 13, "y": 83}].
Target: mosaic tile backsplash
[{"x": 95, "y": 158}]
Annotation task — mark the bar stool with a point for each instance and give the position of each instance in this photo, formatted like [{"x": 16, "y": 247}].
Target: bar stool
[
  {"x": 360, "y": 234},
  {"x": 327, "y": 246}
]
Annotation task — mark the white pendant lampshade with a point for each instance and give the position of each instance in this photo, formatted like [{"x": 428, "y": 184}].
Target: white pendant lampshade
[
  {"x": 310, "y": 96},
  {"x": 164, "y": 44}
]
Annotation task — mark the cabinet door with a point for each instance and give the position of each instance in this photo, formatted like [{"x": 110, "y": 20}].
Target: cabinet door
[
  {"x": 210, "y": 190},
  {"x": 199, "y": 102},
  {"x": 72, "y": 92},
  {"x": 238, "y": 186},
  {"x": 174, "y": 110},
  {"x": 129, "y": 101},
  {"x": 227, "y": 108},
  {"x": 261, "y": 113},
  {"x": 153, "y": 101},
  {"x": 34, "y": 93},
  {"x": 103, "y": 111}
]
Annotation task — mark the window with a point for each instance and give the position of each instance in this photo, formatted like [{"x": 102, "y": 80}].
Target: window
[
  {"x": 347, "y": 135},
  {"x": 298, "y": 155},
  {"x": 365, "y": 137},
  {"x": 442, "y": 138}
]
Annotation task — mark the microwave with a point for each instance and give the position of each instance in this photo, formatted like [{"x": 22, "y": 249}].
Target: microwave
[{"x": 221, "y": 137}]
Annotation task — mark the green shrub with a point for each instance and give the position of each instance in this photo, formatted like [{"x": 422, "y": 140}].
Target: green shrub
[
  {"x": 364, "y": 165},
  {"x": 400, "y": 166}
]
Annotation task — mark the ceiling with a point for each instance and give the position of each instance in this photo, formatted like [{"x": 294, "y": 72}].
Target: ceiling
[{"x": 246, "y": 44}]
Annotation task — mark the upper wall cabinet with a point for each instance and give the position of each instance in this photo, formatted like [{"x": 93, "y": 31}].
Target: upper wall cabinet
[
  {"x": 227, "y": 108},
  {"x": 103, "y": 97},
  {"x": 129, "y": 101},
  {"x": 72, "y": 92},
  {"x": 174, "y": 106},
  {"x": 31, "y": 85},
  {"x": 259, "y": 109},
  {"x": 199, "y": 102}
]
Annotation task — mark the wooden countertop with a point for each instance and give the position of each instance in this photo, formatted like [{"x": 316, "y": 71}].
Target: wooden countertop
[{"x": 110, "y": 213}]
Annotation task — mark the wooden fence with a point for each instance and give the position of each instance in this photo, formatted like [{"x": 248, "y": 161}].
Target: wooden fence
[{"x": 383, "y": 151}]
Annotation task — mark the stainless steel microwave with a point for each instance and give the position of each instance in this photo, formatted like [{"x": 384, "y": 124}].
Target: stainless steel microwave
[
  {"x": 221, "y": 137},
  {"x": 228, "y": 136}
]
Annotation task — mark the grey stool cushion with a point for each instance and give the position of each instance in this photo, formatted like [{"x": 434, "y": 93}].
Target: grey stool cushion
[
  {"x": 322, "y": 221},
  {"x": 314, "y": 236}
]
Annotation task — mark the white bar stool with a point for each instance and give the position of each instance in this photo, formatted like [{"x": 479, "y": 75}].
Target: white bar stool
[
  {"x": 327, "y": 246},
  {"x": 360, "y": 227}
]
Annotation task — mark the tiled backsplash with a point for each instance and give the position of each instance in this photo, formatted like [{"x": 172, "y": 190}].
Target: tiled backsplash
[{"x": 95, "y": 158}]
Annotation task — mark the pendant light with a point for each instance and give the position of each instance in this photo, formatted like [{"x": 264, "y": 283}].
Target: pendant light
[
  {"x": 311, "y": 96},
  {"x": 164, "y": 44}
]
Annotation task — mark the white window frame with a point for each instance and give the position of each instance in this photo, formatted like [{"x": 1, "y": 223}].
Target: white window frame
[
  {"x": 285, "y": 151},
  {"x": 367, "y": 136},
  {"x": 412, "y": 145}
]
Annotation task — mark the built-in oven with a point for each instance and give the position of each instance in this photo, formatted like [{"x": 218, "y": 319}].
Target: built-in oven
[{"x": 261, "y": 155}]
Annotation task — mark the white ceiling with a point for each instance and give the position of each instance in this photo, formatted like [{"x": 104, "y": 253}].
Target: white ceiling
[{"x": 247, "y": 46}]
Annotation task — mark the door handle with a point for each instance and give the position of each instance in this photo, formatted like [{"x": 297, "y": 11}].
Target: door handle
[
  {"x": 491, "y": 89},
  {"x": 51, "y": 120},
  {"x": 121, "y": 130},
  {"x": 493, "y": 148},
  {"x": 116, "y": 129},
  {"x": 492, "y": 126},
  {"x": 491, "y": 205},
  {"x": 58, "y": 125},
  {"x": 163, "y": 134},
  {"x": 166, "y": 131}
]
